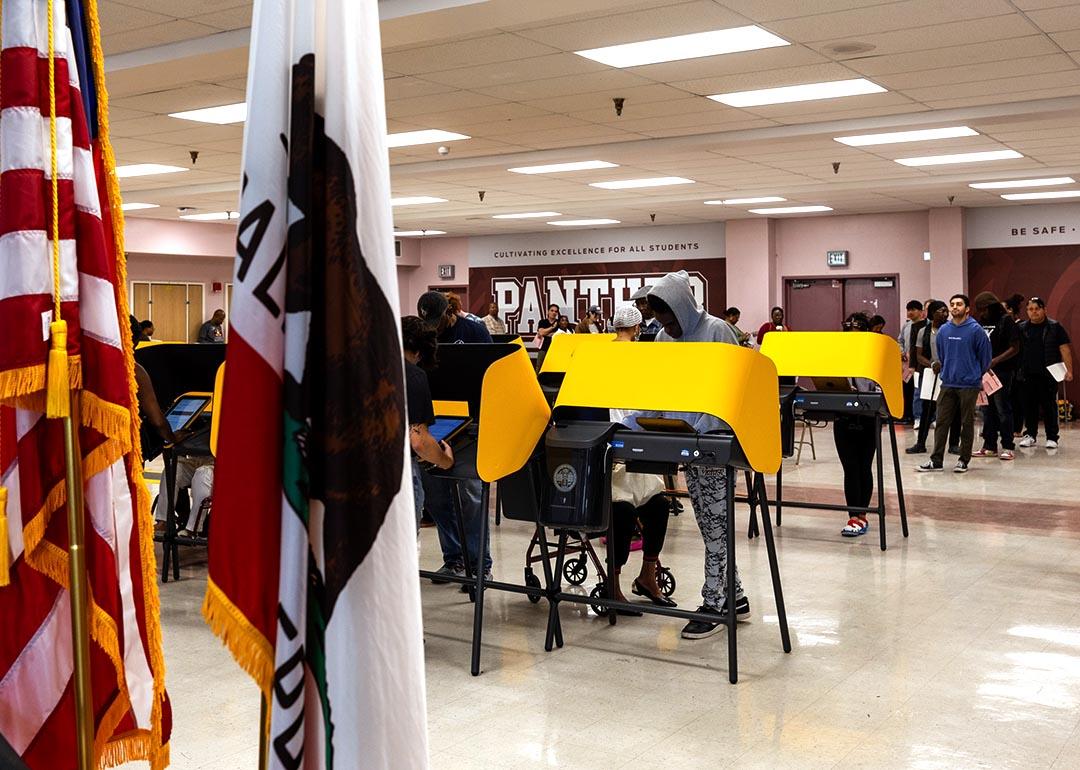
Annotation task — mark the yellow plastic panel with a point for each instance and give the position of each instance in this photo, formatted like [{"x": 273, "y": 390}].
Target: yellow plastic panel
[
  {"x": 451, "y": 408},
  {"x": 840, "y": 354},
  {"x": 215, "y": 418},
  {"x": 732, "y": 383},
  {"x": 563, "y": 347},
  {"x": 513, "y": 416}
]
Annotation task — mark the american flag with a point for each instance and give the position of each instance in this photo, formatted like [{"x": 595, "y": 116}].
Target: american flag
[{"x": 131, "y": 711}]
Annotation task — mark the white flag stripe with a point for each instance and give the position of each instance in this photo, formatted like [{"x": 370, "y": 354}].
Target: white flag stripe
[
  {"x": 25, "y": 134},
  {"x": 23, "y": 30},
  {"x": 97, "y": 310},
  {"x": 34, "y": 684},
  {"x": 35, "y": 276}
]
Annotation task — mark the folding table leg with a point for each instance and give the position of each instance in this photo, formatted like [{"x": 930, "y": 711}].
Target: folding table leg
[
  {"x": 548, "y": 584},
  {"x": 170, "y": 551},
  {"x": 899, "y": 479},
  {"x": 751, "y": 499},
  {"x": 880, "y": 482},
  {"x": 478, "y": 608},
  {"x": 553, "y": 607},
  {"x": 733, "y": 652},
  {"x": 780, "y": 494},
  {"x": 778, "y": 590}
]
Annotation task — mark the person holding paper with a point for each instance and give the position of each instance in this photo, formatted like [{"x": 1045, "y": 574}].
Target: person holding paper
[
  {"x": 1045, "y": 360},
  {"x": 1005, "y": 347},
  {"x": 937, "y": 313},
  {"x": 964, "y": 350}
]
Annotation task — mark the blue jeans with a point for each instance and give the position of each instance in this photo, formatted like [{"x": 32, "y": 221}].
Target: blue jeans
[
  {"x": 418, "y": 492},
  {"x": 438, "y": 492}
]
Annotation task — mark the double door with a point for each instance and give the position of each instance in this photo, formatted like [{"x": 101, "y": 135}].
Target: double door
[
  {"x": 822, "y": 304},
  {"x": 176, "y": 309}
]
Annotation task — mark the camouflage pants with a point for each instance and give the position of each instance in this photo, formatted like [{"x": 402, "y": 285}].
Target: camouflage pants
[{"x": 708, "y": 495}]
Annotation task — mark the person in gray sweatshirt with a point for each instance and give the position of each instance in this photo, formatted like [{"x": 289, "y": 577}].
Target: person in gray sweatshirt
[{"x": 683, "y": 320}]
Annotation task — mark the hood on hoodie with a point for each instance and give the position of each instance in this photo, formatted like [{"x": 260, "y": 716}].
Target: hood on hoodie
[
  {"x": 674, "y": 289},
  {"x": 697, "y": 325}
]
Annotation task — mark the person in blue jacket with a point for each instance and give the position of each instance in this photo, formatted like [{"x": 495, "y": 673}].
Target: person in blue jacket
[{"x": 964, "y": 355}]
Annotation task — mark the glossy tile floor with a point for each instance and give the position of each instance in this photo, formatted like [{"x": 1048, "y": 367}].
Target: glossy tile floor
[{"x": 958, "y": 647}]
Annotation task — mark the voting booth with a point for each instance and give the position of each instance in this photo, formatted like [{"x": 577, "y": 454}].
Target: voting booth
[{"x": 831, "y": 360}]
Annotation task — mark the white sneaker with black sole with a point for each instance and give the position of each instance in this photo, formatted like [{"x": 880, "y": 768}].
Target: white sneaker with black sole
[
  {"x": 928, "y": 467},
  {"x": 1026, "y": 442},
  {"x": 700, "y": 629},
  {"x": 960, "y": 467}
]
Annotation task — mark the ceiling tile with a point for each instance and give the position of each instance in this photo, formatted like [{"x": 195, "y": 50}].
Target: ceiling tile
[
  {"x": 788, "y": 76},
  {"x": 465, "y": 53},
  {"x": 406, "y": 87},
  {"x": 634, "y": 26},
  {"x": 730, "y": 64},
  {"x": 886, "y": 18},
  {"x": 1070, "y": 41},
  {"x": 158, "y": 34},
  {"x": 933, "y": 37},
  {"x": 116, "y": 18},
  {"x": 190, "y": 97},
  {"x": 436, "y": 103},
  {"x": 770, "y": 10},
  {"x": 984, "y": 72},
  {"x": 1070, "y": 78},
  {"x": 1057, "y": 19},
  {"x": 873, "y": 65},
  {"x": 519, "y": 71},
  {"x": 574, "y": 103},
  {"x": 612, "y": 80},
  {"x": 226, "y": 19}
]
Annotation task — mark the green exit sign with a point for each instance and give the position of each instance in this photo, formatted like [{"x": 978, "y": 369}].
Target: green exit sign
[{"x": 836, "y": 258}]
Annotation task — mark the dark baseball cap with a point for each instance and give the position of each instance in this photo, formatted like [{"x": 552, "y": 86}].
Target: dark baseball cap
[
  {"x": 641, "y": 293},
  {"x": 431, "y": 306},
  {"x": 594, "y": 309}
]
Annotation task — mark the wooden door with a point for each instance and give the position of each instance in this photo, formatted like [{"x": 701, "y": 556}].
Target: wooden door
[
  {"x": 813, "y": 304},
  {"x": 874, "y": 296},
  {"x": 196, "y": 310},
  {"x": 169, "y": 311},
  {"x": 140, "y": 301}
]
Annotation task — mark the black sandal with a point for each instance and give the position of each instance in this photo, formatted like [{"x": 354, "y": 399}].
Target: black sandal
[{"x": 659, "y": 599}]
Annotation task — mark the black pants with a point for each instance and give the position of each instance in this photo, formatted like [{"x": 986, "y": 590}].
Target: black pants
[
  {"x": 1040, "y": 395},
  {"x": 856, "y": 444},
  {"x": 953, "y": 402},
  {"x": 929, "y": 413},
  {"x": 999, "y": 416},
  {"x": 909, "y": 399},
  {"x": 654, "y": 520}
]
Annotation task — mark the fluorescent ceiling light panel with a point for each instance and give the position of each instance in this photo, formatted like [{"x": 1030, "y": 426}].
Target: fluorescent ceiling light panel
[
  {"x": 137, "y": 206},
  {"x": 146, "y": 169},
  {"x": 427, "y": 136},
  {"x": 746, "y": 201},
  {"x": 415, "y": 200},
  {"x": 528, "y": 215},
  {"x": 693, "y": 46},
  {"x": 222, "y": 115},
  {"x": 963, "y": 157},
  {"x": 557, "y": 168},
  {"x": 212, "y": 216},
  {"x": 1034, "y": 196},
  {"x": 791, "y": 210},
  {"x": 654, "y": 181},
  {"x": 804, "y": 93},
  {"x": 896, "y": 137},
  {"x": 583, "y": 222},
  {"x": 1049, "y": 182},
  {"x": 418, "y": 233}
]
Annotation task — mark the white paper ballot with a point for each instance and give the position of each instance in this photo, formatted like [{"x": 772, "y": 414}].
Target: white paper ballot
[
  {"x": 928, "y": 386},
  {"x": 1058, "y": 371}
]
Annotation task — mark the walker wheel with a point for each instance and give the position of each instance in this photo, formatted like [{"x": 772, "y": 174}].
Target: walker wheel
[
  {"x": 599, "y": 592},
  {"x": 666, "y": 580},
  {"x": 576, "y": 570},
  {"x": 532, "y": 581}
]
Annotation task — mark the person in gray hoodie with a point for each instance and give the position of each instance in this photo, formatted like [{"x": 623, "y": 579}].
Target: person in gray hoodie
[{"x": 683, "y": 320}]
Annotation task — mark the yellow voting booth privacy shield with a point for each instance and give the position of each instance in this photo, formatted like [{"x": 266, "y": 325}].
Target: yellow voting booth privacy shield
[
  {"x": 732, "y": 383},
  {"x": 840, "y": 354},
  {"x": 564, "y": 346},
  {"x": 513, "y": 416}
]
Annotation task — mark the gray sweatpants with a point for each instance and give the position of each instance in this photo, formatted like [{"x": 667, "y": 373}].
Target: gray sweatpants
[{"x": 708, "y": 494}]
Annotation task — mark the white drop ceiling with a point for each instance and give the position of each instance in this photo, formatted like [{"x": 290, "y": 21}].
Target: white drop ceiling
[{"x": 504, "y": 72}]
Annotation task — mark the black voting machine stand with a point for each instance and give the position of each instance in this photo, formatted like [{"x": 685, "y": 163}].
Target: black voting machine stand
[
  {"x": 460, "y": 377},
  {"x": 827, "y": 406},
  {"x": 176, "y": 369}
]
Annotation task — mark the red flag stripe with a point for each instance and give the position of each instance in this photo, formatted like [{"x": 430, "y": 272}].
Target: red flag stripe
[{"x": 28, "y": 203}]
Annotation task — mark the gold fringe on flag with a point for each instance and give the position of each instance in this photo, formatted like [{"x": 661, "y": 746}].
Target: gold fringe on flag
[{"x": 248, "y": 646}]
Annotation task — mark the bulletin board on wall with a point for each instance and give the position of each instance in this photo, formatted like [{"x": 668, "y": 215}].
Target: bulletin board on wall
[
  {"x": 523, "y": 292},
  {"x": 1049, "y": 272}
]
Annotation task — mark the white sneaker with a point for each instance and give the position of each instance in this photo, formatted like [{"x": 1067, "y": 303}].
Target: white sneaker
[
  {"x": 1026, "y": 441},
  {"x": 1051, "y": 444},
  {"x": 916, "y": 425}
]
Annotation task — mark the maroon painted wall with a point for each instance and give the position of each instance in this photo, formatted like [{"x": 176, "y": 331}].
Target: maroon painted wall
[{"x": 1050, "y": 272}]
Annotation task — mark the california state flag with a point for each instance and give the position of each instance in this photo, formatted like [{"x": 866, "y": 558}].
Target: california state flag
[{"x": 313, "y": 572}]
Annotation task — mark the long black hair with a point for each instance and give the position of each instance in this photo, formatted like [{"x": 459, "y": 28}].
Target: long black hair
[{"x": 418, "y": 337}]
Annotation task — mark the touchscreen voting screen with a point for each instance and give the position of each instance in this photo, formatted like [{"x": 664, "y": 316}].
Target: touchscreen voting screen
[
  {"x": 445, "y": 428},
  {"x": 184, "y": 410}
]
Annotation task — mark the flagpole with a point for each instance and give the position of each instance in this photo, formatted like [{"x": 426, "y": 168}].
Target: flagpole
[
  {"x": 264, "y": 733},
  {"x": 80, "y": 636}
]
